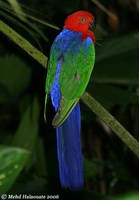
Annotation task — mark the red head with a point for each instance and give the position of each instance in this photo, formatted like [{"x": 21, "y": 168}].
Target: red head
[{"x": 81, "y": 21}]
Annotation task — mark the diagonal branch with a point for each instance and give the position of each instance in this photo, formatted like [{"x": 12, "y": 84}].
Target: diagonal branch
[
  {"x": 119, "y": 130},
  {"x": 23, "y": 43},
  {"x": 99, "y": 110}
]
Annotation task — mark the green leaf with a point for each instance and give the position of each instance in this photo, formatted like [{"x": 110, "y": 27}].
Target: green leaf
[
  {"x": 117, "y": 61},
  {"x": 128, "y": 196},
  {"x": 17, "y": 9},
  {"x": 90, "y": 168},
  {"x": 34, "y": 186},
  {"x": 15, "y": 75},
  {"x": 27, "y": 133},
  {"x": 89, "y": 195},
  {"x": 23, "y": 17},
  {"x": 117, "y": 46},
  {"x": 12, "y": 161},
  {"x": 122, "y": 69},
  {"x": 40, "y": 166},
  {"x": 110, "y": 95},
  {"x": 18, "y": 23},
  {"x": 4, "y": 94}
]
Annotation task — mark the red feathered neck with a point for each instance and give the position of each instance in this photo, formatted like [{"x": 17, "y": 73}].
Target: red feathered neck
[{"x": 80, "y": 22}]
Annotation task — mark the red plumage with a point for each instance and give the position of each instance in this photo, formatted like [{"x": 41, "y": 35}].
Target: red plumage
[{"x": 80, "y": 22}]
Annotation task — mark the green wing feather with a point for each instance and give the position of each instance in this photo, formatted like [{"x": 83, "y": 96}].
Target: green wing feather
[
  {"x": 65, "y": 108},
  {"x": 50, "y": 78},
  {"x": 74, "y": 77}
]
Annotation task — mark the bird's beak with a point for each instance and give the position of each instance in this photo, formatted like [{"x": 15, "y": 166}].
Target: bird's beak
[{"x": 92, "y": 25}]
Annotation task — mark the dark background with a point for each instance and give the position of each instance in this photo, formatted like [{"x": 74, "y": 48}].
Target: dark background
[{"x": 110, "y": 168}]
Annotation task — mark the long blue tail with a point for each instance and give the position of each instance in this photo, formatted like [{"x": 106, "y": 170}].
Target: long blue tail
[{"x": 69, "y": 151}]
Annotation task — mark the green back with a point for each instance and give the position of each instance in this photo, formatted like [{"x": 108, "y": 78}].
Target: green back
[{"x": 77, "y": 64}]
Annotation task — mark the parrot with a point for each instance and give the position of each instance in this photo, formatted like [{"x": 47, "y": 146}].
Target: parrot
[{"x": 72, "y": 58}]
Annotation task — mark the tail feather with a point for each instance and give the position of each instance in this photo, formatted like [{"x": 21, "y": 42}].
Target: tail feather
[{"x": 69, "y": 151}]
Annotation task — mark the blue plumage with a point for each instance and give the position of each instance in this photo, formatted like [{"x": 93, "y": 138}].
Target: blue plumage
[
  {"x": 71, "y": 62},
  {"x": 69, "y": 151},
  {"x": 68, "y": 134}
]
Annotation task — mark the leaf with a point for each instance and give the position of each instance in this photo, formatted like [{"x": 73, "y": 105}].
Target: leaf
[
  {"x": 10, "y": 15},
  {"x": 18, "y": 12},
  {"x": 17, "y": 9},
  {"x": 90, "y": 168},
  {"x": 104, "y": 9},
  {"x": 15, "y": 75},
  {"x": 122, "y": 69},
  {"x": 128, "y": 196},
  {"x": 23, "y": 16},
  {"x": 40, "y": 166},
  {"x": 110, "y": 95},
  {"x": 4, "y": 94},
  {"x": 12, "y": 161},
  {"x": 18, "y": 23},
  {"x": 33, "y": 186},
  {"x": 117, "y": 46},
  {"x": 117, "y": 61},
  {"x": 42, "y": 22},
  {"x": 27, "y": 133},
  {"x": 89, "y": 195}
]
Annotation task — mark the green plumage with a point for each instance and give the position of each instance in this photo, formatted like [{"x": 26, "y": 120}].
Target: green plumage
[{"x": 77, "y": 60}]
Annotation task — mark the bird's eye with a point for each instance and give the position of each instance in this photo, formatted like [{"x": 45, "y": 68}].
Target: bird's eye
[{"x": 83, "y": 19}]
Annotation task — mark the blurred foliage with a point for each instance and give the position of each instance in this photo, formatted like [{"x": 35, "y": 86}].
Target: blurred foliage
[
  {"x": 10, "y": 76},
  {"x": 12, "y": 162},
  {"x": 110, "y": 169}
]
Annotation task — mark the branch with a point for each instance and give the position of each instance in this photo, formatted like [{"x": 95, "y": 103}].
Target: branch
[
  {"x": 100, "y": 111},
  {"x": 23, "y": 43},
  {"x": 119, "y": 130}
]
